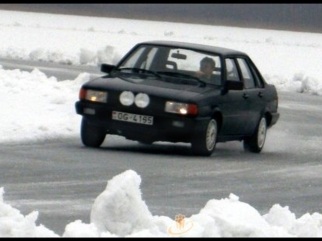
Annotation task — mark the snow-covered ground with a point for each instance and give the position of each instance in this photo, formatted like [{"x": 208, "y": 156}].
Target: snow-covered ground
[{"x": 290, "y": 60}]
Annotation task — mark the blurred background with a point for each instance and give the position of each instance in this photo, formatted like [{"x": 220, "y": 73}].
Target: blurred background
[{"x": 293, "y": 17}]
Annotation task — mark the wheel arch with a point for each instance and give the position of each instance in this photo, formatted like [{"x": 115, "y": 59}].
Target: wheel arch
[
  {"x": 268, "y": 116},
  {"x": 217, "y": 115}
]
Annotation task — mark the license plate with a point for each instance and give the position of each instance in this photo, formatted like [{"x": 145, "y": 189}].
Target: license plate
[{"x": 134, "y": 118}]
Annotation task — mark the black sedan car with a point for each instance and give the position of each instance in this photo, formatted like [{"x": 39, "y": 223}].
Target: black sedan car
[{"x": 160, "y": 91}]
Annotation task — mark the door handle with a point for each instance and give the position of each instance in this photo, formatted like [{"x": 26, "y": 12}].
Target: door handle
[
  {"x": 260, "y": 94},
  {"x": 245, "y": 96}
]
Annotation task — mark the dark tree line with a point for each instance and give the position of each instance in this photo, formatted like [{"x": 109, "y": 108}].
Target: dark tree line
[{"x": 294, "y": 17}]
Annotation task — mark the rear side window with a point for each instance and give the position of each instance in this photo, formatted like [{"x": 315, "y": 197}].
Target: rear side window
[
  {"x": 258, "y": 80},
  {"x": 249, "y": 82}
]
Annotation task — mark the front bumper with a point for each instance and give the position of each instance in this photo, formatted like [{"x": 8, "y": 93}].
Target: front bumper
[
  {"x": 166, "y": 127},
  {"x": 275, "y": 117}
]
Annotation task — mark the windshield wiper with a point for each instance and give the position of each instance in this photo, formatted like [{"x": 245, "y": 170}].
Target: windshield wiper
[
  {"x": 139, "y": 71},
  {"x": 183, "y": 75}
]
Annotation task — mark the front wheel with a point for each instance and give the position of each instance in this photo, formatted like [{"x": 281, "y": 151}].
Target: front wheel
[
  {"x": 204, "y": 141},
  {"x": 256, "y": 142},
  {"x": 91, "y": 135}
]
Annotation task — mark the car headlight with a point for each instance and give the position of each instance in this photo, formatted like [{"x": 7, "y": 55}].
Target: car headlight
[
  {"x": 181, "y": 108},
  {"x": 127, "y": 98},
  {"x": 142, "y": 100},
  {"x": 93, "y": 95}
]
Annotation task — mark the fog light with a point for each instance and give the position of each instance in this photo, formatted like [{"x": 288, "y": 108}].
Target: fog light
[
  {"x": 89, "y": 111},
  {"x": 178, "y": 123}
]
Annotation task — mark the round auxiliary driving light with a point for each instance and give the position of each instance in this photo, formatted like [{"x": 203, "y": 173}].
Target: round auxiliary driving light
[
  {"x": 142, "y": 100},
  {"x": 127, "y": 98}
]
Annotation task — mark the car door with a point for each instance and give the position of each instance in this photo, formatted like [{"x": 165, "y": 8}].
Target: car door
[
  {"x": 253, "y": 94},
  {"x": 234, "y": 105}
]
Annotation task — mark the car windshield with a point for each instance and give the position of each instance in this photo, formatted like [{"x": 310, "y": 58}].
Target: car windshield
[{"x": 171, "y": 64}]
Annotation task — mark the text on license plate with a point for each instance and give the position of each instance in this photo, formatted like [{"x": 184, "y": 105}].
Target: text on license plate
[{"x": 129, "y": 117}]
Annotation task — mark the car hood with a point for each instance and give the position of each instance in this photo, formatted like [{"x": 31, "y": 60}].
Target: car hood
[{"x": 153, "y": 87}]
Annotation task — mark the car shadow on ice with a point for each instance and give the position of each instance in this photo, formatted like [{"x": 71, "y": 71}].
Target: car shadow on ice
[{"x": 230, "y": 150}]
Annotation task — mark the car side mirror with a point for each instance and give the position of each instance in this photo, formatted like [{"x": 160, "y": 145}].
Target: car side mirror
[
  {"x": 107, "y": 68},
  {"x": 232, "y": 85}
]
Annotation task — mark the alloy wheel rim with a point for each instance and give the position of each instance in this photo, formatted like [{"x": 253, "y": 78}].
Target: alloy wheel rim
[
  {"x": 211, "y": 135},
  {"x": 261, "y": 133}
]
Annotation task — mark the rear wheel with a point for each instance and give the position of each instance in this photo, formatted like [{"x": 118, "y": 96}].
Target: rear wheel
[
  {"x": 91, "y": 135},
  {"x": 256, "y": 142},
  {"x": 204, "y": 141}
]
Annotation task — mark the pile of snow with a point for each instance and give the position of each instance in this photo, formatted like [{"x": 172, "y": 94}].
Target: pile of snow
[{"x": 119, "y": 211}]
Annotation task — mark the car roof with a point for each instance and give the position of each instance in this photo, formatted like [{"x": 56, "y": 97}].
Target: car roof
[{"x": 207, "y": 48}]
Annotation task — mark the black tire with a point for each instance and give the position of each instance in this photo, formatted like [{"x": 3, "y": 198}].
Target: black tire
[
  {"x": 92, "y": 136},
  {"x": 204, "y": 141},
  {"x": 256, "y": 142}
]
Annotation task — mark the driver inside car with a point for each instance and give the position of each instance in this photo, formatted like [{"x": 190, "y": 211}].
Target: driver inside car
[{"x": 207, "y": 66}]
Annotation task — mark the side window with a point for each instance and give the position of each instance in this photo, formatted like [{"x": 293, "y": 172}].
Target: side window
[
  {"x": 231, "y": 69},
  {"x": 258, "y": 80},
  {"x": 249, "y": 82}
]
